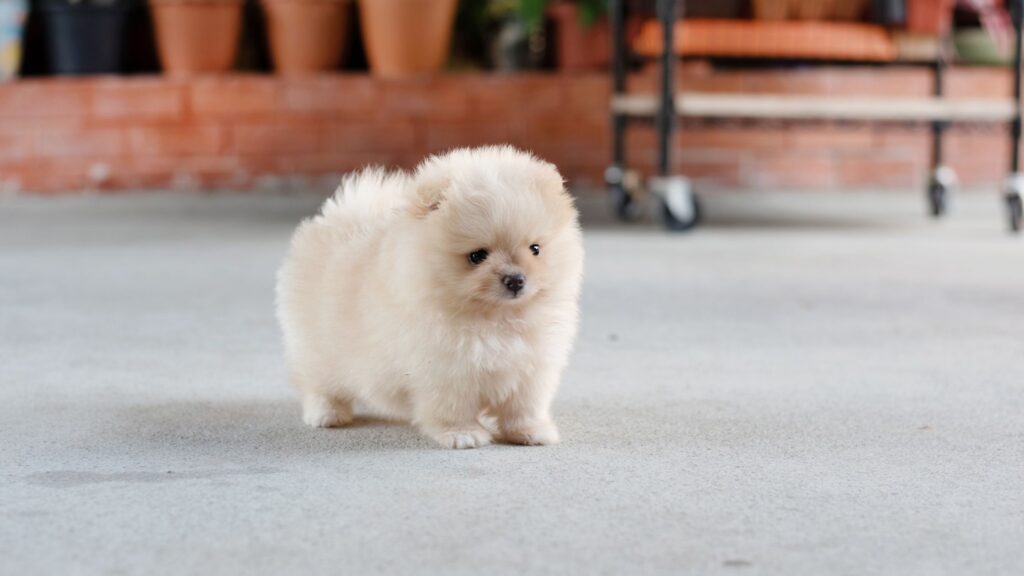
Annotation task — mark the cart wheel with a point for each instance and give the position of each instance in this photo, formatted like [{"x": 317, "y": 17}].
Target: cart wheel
[
  {"x": 940, "y": 183},
  {"x": 619, "y": 180},
  {"x": 621, "y": 202},
  {"x": 1016, "y": 212},
  {"x": 681, "y": 222},
  {"x": 1014, "y": 191},
  {"x": 679, "y": 207},
  {"x": 938, "y": 199}
]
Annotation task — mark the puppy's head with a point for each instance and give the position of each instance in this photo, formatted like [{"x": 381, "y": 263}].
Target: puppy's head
[{"x": 499, "y": 228}]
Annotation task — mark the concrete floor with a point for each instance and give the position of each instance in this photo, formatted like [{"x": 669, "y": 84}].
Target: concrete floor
[{"x": 812, "y": 384}]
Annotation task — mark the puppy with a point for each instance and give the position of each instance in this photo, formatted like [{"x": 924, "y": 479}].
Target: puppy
[{"x": 447, "y": 297}]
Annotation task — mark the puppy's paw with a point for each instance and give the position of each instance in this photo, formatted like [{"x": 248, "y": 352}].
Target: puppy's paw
[
  {"x": 321, "y": 412},
  {"x": 538, "y": 434},
  {"x": 325, "y": 419},
  {"x": 462, "y": 438}
]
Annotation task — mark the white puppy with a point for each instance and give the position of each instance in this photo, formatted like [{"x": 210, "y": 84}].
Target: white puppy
[{"x": 445, "y": 297}]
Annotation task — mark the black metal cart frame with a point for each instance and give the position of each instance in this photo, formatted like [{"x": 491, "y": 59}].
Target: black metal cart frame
[{"x": 679, "y": 204}]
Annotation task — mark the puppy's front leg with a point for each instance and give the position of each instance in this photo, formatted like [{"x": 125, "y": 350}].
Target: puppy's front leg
[
  {"x": 449, "y": 416},
  {"x": 525, "y": 417},
  {"x": 322, "y": 411}
]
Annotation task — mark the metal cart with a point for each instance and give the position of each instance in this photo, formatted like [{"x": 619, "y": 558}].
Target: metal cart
[{"x": 679, "y": 204}]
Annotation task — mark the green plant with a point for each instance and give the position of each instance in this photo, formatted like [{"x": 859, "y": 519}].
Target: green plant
[
  {"x": 499, "y": 9},
  {"x": 87, "y": 3},
  {"x": 532, "y": 12}
]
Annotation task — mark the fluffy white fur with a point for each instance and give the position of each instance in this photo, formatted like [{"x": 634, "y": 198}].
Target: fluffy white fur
[{"x": 379, "y": 301}]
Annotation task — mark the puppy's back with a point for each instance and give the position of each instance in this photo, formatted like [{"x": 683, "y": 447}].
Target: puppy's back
[{"x": 365, "y": 204}]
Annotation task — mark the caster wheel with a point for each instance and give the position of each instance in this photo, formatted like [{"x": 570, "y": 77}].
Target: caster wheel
[
  {"x": 938, "y": 199},
  {"x": 940, "y": 183},
  {"x": 623, "y": 207},
  {"x": 681, "y": 222},
  {"x": 1016, "y": 212},
  {"x": 621, "y": 184},
  {"x": 679, "y": 207},
  {"x": 1014, "y": 191}
]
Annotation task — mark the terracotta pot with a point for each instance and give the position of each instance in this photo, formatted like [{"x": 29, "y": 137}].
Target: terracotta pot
[
  {"x": 306, "y": 36},
  {"x": 584, "y": 48},
  {"x": 811, "y": 9},
  {"x": 772, "y": 9},
  {"x": 930, "y": 17},
  {"x": 848, "y": 9},
  {"x": 197, "y": 36},
  {"x": 406, "y": 37}
]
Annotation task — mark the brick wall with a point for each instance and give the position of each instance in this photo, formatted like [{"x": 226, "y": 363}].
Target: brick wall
[{"x": 264, "y": 131}]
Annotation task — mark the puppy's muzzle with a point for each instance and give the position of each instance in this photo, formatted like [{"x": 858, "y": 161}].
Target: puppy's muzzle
[{"x": 514, "y": 283}]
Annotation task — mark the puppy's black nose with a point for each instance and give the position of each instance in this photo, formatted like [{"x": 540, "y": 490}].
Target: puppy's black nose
[{"x": 514, "y": 282}]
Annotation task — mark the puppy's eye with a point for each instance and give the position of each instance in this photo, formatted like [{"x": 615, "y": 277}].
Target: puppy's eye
[
  {"x": 535, "y": 248},
  {"x": 477, "y": 257}
]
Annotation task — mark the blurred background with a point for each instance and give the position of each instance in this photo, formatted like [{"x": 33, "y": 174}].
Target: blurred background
[
  {"x": 822, "y": 380},
  {"x": 242, "y": 94}
]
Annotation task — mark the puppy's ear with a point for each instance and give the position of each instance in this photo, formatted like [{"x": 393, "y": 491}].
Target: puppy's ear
[
  {"x": 430, "y": 193},
  {"x": 560, "y": 203}
]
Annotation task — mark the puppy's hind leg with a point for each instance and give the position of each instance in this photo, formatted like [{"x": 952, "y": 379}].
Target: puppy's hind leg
[{"x": 320, "y": 409}]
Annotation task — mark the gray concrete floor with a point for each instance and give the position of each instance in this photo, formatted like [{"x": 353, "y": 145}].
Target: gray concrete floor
[{"x": 812, "y": 384}]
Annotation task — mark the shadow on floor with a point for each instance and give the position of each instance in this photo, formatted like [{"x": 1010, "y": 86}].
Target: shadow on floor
[
  {"x": 253, "y": 429},
  {"x": 264, "y": 431}
]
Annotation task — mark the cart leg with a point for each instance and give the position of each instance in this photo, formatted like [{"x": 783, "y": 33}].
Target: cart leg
[
  {"x": 942, "y": 178},
  {"x": 666, "y": 107},
  {"x": 1013, "y": 190},
  {"x": 615, "y": 174},
  {"x": 679, "y": 207},
  {"x": 1014, "y": 197}
]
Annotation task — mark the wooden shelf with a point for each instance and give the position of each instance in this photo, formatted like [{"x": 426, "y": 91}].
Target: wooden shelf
[
  {"x": 786, "y": 107},
  {"x": 797, "y": 40}
]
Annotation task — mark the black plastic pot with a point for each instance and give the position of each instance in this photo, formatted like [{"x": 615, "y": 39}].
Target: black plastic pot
[
  {"x": 85, "y": 39},
  {"x": 889, "y": 12}
]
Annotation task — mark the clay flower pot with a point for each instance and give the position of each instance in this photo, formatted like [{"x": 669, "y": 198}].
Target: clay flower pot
[
  {"x": 772, "y": 9},
  {"x": 306, "y": 36},
  {"x": 197, "y": 36},
  {"x": 407, "y": 37},
  {"x": 930, "y": 17},
  {"x": 579, "y": 47},
  {"x": 576, "y": 47}
]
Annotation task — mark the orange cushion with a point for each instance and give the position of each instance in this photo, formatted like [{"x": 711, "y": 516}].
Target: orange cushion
[{"x": 798, "y": 40}]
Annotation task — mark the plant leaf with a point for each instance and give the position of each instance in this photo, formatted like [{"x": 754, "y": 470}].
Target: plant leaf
[
  {"x": 590, "y": 11},
  {"x": 532, "y": 12}
]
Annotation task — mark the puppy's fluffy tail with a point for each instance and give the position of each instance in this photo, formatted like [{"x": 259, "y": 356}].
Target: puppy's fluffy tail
[
  {"x": 365, "y": 200},
  {"x": 364, "y": 203}
]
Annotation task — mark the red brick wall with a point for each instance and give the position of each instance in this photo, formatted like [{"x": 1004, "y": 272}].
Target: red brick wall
[{"x": 244, "y": 131}]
